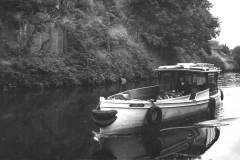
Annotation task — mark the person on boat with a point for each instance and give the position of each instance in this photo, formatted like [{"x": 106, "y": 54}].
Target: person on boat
[{"x": 183, "y": 86}]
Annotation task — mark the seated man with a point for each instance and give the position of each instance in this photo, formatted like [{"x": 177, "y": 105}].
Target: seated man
[{"x": 183, "y": 86}]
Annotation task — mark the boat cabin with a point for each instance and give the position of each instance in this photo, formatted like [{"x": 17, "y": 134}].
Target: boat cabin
[
  {"x": 177, "y": 81},
  {"x": 187, "y": 78}
]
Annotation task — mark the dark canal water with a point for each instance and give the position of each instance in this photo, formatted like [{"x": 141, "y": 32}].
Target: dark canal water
[{"x": 56, "y": 125}]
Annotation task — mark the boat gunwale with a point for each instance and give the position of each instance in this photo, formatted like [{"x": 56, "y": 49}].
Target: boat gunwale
[
  {"x": 184, "y": 104},
  {"x": 163, "y": 101},
  {"x": 189, "y": 70}
]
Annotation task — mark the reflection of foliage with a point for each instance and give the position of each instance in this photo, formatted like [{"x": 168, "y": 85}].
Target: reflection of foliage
[
  {"x": 50, "y": 124},
  {"x": 46, "y": 125}
]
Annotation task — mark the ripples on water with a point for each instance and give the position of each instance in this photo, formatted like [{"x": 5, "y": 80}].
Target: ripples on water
[{"x": 56, "y": 125}]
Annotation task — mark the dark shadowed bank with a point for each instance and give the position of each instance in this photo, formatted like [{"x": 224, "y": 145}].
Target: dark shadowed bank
[{"x": 65, "y": 43}]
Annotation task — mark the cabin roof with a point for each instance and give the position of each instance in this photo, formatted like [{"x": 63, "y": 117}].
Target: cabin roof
[{"x": 191, "y": 67}]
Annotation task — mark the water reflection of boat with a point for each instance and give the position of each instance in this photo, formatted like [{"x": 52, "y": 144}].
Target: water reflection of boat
[
  {"x": 183, "y": 90},
  {"x": 168, "y": 144}
]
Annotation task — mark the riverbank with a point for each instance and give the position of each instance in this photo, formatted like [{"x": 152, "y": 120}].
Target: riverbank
[
  {"x": 97, "y": 67},
  {"x": 39, "y": 72}
]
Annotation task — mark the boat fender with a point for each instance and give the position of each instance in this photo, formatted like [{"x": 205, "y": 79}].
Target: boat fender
[
  {"x": 99, "y": 114},
  {"x": 103, "y": 118},
  {"x": 104, "y": 122},
  {"x": 222, "y": 96},
  {"x": 154, "y": 115},
  {"x": 212, "y": 107}
]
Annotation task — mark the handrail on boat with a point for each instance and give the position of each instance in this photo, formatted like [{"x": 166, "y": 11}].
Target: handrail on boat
[{"x": 130, "y": 92}]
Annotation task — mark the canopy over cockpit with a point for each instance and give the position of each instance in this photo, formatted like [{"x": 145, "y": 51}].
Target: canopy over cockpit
[
  {"x": 188, "y": 78},
  {"x": 190, "y": 67}
]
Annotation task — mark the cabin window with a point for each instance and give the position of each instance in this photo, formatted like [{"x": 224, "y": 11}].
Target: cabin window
[
  {"x": 199, "y": 82},
  {"x": 212, "y": 82},
  {"x": 174, "y": 84},
  {"x": 181, "y": 83},
  {"x": 165, "y": 82}
]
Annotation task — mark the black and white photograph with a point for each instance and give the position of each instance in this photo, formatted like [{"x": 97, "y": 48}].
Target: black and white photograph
[{"x": 119, "y": 80}]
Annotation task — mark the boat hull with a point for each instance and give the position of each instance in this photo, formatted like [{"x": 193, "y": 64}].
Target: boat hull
[
  {"x": 128, "y": 121},
  {"x": 133, "y": 119}
]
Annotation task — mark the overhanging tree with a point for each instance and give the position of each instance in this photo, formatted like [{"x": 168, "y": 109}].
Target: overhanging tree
[{"x": 172, "y": 23}]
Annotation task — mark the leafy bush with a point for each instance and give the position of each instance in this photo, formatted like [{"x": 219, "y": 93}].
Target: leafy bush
[
  {"x": 163, "y": 23},
  {"x": 216, "y": 61},
  {"x": 236, "y": 54}
]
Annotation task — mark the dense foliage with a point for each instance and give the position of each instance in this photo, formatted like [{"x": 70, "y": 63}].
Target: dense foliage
[
  {"x": 58, "y": 42},
  {"x": 173, "y": 23},
  {"x": 226, "y": 49},
  {"x": 161, "y": 23},
  {"x": 236, "y": 54}
]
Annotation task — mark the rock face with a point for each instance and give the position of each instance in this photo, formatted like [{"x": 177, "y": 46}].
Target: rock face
[
  {"x": 56, "y": 39},
  {"x": 50, "y": 39}
]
